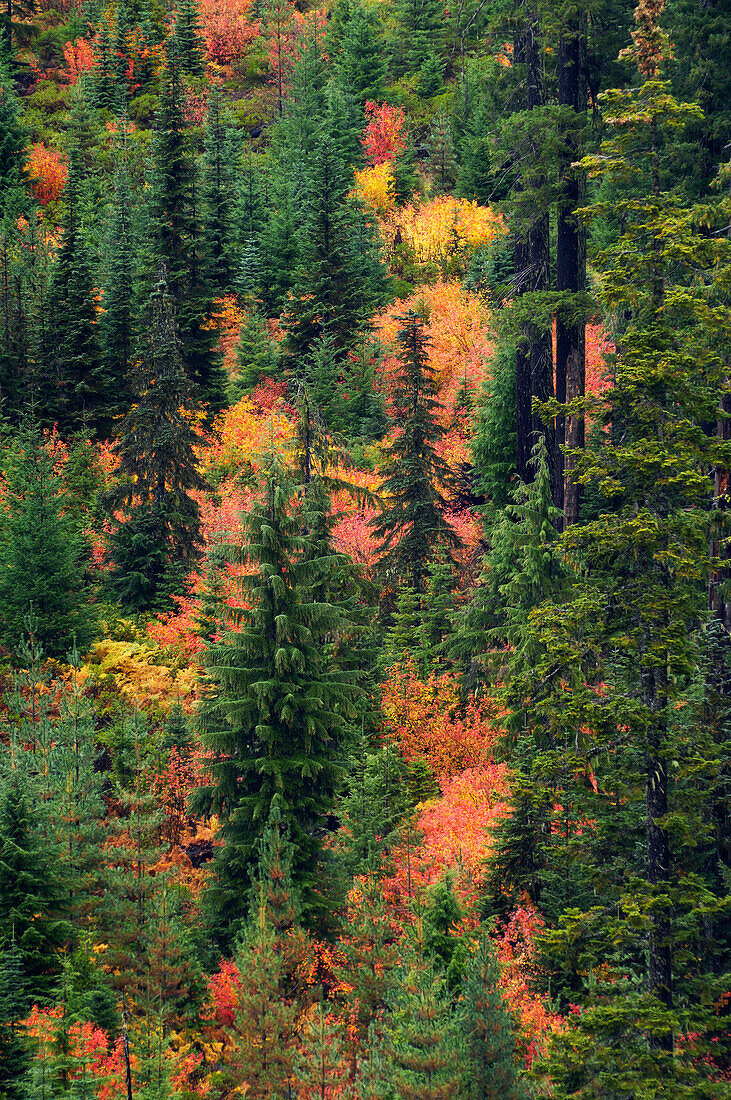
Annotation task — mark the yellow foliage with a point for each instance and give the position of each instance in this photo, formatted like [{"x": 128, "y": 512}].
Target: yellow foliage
[
  {"x": 137, "y": 675},
  {"x": 374, "y": 186},
  {"x": 241, "y": 434},
  {"x": 436, "y": 229}
]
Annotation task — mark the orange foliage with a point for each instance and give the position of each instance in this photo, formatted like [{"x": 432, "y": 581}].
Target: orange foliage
[
  {"x": 375, "y": 187},
  {"x": 456, "y": 828},
  {"x": 445, "y": 226},
  {"x": 458, "y": 328},
  {"x": 47, "y": 173},
  {"x": 139, "y": 677},
  {"x": 89, "y": 1047},
  {"x": 598, "y": 347},
  {"x": 429, "y": 722},
  {"x": 384, "y": 136},
  {"x": 517, "y": 955},
  {"x": 227, "y": 30},
  {"x": 240, "y": 435},
  {"x": 79, "y": 57}
]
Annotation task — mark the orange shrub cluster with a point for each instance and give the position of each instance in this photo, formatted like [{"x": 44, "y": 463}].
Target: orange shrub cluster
[
  {"x": 430, "y": 723},
  {"x": 47, "y": 173}
]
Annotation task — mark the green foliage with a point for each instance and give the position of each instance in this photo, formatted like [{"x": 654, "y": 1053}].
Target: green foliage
[
  {"x": 489, "y": 1030},
  {"x": 412, "y": 528},
  {"x": 275, "y": 719},
  {"x": 158, "y": 541},
  {"x": 42, "y": 555}
]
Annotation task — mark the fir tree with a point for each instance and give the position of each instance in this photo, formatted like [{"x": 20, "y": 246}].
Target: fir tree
[
  {"x": 117, "y": 320},
  {"x": 13, "y": 141},
  {"x": 256, "y": 354},
  {"x": 188, "y": 42},
  {"x": 361, "y": 63},
  {"x": 30, "y": 914},
  {"x": 78, "y": 393},
  {"x": 175, "y": 238},
  {"x": 413, "y": 528},
  {"x": 159, "y": 541},
  {"x": 276, "y": 721},
  {"x": 14, "y": 1006},
  {"x": 489, "y": 1029},
  {"x": 215, "y": 198},
  {"x": 41, "y": 554}
]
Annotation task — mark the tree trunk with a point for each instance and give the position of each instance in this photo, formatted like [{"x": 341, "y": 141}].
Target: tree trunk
[{"x": 570, "y": 268}]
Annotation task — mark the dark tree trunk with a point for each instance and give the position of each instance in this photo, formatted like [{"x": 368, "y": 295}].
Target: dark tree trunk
[
  {"x": 539, "y": 249},
  {"x": 570, "y": 267}
]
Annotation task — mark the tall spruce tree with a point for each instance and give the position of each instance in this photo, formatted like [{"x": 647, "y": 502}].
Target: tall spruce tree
[
  {"x": 276, "y": 713},
  {"x": 158, "y": 541},
  {"x": 77, "y": 391},
  {"x": 176, "y": 237},
  {"x": 412, "y": 527},
  {"x": 42, "y": 555}
]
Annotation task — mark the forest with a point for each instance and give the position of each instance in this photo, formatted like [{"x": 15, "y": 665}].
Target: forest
[{"x": 365, "y": 557}]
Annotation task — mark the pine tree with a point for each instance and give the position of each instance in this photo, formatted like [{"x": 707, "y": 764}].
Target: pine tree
[
  {"x": 425, "y": 1050},
  {"x": 30, "y": 914},
  {"x": 78, "y": 393},
  {"x": 322, "y": 1063},
  {"x": 275, "y": 721},
  {"x": 489, "y": 1030},
  {"x": 176, "y": 238},
  {"x": 14, "y": 1005},
  {"x": 416, "y": 34},
  {"x": 442, "y": 159},
  {"x": 361, "y": 63},
  {"x": 413, "y": 528},
  {"x": 367, "y": 946},
  {"x": 188, "y": 42},
  {"x": 41, "y": 554},
  {"x": 159, "y": 540}
]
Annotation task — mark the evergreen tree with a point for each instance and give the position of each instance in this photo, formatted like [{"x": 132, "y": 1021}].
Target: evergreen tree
[
  {"x": 276, "y": 720},
  {"x": 188, "y": 42},
  {"x": 77, "y": 392},
  {"x": 30, "y": 913},
  {"x": 41, "y": 554},
  {"x": 14, "y": 1006},
  {"x": 425, "y": 1050},
  {"x": 361, "y": 63},
  {"x": 13, "y": 141},
  {"x": 489, "y": 1029},
  {"x": 216, "y": 185},
  {"x": 117, "y": 320},
  {"x": 175, "y": 238},
  {"x": 442, "y": 160},
  {"x": 416, "y": 34},
  {"x": 256, "y": 354},
  {"x": 159, "y": 541},
  {"x": 413, "y": 528},
  {"x": 322, "y": 1063}
]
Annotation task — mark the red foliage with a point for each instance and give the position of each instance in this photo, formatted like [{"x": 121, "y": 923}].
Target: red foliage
[
  {"x": 47, "y": 173},
  {"x": 517, "y": 955},
  {"x": 79, "y": 57},
  {"x": 89, "y": 1048},
  {"x": 224, "y": 987},
  {"x": 227, "y": 30},
  {"x": 384, "y": 136},
  {"x": 429, "y": 723},
  {"x": 173, "y": 786}
]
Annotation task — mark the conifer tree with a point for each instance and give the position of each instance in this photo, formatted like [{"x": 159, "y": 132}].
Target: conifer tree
[
  {"x": 322, "y": 1062},
  {"x": 13, "y": 140},
  {"x": 41, "y": 554},
  {"x": 489, "y": 1030},
  {"x": 256, "y": 354},
  {"x": 117, "y": 320},
  {"x": 77, "y": 391},
  {"x": 425, "y": 1049},
  {"x": 361, "y": 63},
  {"x": 30, "y": 914},
  {"x": 159, "y": 540},
  {"x": 14, "y": 1006},
  {"x": 176, "y": 237},
  {"x": 216, "y": 185},
  {"x": 416, "y": 34},
  {"x": 367, "y": 945},
  {"x": 188, "y": 42},
  {"x": 412, "y": 527},
  {"x": 275, "y": 720}
]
